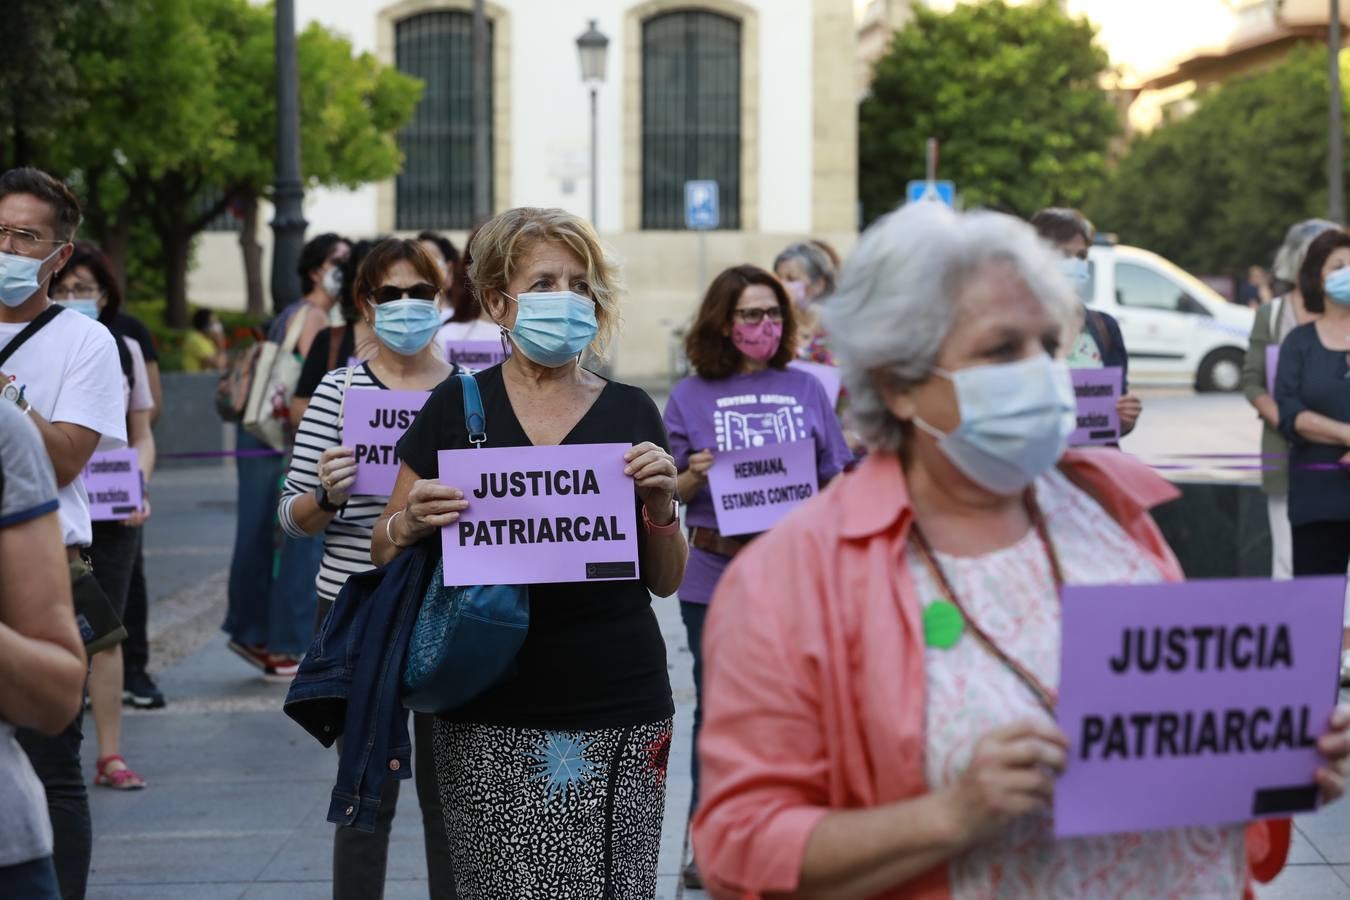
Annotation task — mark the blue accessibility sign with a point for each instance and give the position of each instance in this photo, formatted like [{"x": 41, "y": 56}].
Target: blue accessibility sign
[
  {"x": 701, "y": 211},
  {"x": 942, "y": 191}
]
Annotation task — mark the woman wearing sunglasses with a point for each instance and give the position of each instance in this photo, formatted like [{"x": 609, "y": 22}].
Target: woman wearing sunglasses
[
  {"x": 1312, "y": 391},
  {"x": 554, "y": 780},
  {"x": 742, "y": 395},
  {"x": 396, "y": 291}
]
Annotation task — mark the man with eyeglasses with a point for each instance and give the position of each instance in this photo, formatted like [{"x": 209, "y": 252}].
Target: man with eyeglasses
[{"x": 62, "y": 371}]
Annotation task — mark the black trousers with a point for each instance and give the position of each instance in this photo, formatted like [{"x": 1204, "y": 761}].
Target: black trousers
[
  {"x": 694, "y": 615},
  {"x": 136, "y": 648},
  {"x": 57, "y": 763},
  {"x": 361, "y": 859},
  {"x": 1321, "y": 548},
  {"x": 113, "y": 557}
]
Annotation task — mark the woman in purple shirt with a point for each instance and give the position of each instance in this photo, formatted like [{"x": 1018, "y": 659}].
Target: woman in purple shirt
[{"x": 742, "y": 396}]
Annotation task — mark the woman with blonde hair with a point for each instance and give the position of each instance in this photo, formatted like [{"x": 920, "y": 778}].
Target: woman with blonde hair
[{"x": 553, "y": 781}]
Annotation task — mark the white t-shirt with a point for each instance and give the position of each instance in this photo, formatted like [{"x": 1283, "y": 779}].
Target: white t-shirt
[
  {"x": 477, "y": 330},
  {"x": 72, "y": 373}
]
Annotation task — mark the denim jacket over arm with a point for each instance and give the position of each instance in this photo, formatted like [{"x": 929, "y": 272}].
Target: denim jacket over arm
[{"x": 349, "y": 681}]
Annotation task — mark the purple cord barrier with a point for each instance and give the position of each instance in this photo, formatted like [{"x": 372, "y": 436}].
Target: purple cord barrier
[{"x": 220, "y": 454}]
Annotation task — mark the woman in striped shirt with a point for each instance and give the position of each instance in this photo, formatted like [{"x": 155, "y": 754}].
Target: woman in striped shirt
[{"x": 396, "y": 291}]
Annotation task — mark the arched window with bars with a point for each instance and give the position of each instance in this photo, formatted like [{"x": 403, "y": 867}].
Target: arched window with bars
[
  {"x": 435, "y": 189},
  {"x": 691, "y": 113}
]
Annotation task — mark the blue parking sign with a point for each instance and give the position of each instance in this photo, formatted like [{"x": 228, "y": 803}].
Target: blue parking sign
[
  {"x": 942, "y": 191},
  {"x": 701, "y": 210}
]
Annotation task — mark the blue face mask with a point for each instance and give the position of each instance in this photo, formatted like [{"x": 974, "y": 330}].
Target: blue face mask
[
  {"x": 1337, "y": 287},
  {"x": 85, "y": 306},
  {"x": 553, "y": 328},
  {"x": 406, "y": 326},
  {"x": 19, "y": 277},
  {"x": 1016, "y": 419}
]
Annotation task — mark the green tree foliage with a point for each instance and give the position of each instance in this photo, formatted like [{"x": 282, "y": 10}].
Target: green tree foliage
[
  {"x": 1216, "y": 190},
  {"x": 178, "y": 122},
  {"x": 1011, "y": 92},
  {"x": 37, "y": 79}
]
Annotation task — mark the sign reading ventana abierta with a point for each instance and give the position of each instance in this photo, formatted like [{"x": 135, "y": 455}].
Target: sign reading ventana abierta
[{"x": 540, "y": 515}]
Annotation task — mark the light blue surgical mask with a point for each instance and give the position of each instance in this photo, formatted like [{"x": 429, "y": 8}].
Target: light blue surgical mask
[
  {"x": 406, "y": 326},
  {"x": 1338, "y": 287},
  {"x": 553, "y": 328},
  {"x": 1079, "y": 275},
  {"x": 1016, "y": 419},
  {"x": 86, "y": 306},
  {"x": 19, "y": 277}
]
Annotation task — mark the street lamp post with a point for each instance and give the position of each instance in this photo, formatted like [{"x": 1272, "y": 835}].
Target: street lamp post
[
  {"x": 593, "y": 47},
  {"x": 288, "y": 195},
  {"x": 1335, "y": 124}
]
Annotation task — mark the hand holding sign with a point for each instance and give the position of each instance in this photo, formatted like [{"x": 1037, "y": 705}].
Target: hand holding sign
[
  {"x": 337, "y": 474},
  {"x": 1011, "y": 774},
  {"x": 1335, "y": 749},
  {"x": 653, "y": 472},
  {"x": 432, "y": 505}
]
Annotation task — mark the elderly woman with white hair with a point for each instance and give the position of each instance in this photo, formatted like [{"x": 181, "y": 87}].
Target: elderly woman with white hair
[
  {"x": 1274, "y": 320},
  {"x": 859, "y": 738}
]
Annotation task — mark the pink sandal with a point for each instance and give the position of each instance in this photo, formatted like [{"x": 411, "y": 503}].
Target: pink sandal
[{"x": 119, "y": 779}]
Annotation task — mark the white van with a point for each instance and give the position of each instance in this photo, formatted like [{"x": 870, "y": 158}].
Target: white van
[{"x": 1177, "y": 329}]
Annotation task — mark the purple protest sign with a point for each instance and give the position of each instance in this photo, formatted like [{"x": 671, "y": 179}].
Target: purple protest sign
[
  {"x": 828, "y": 376},
  {"x": 113, "y": 481},
  {"x": 1096, "y": 391},
  {"x": 475, "y": 355},
  {"x": 373, "y": 420},
  {"x": 540, "y": 515},
  {"x": 1196, "y": 703},
  {"x": 752, "y": 489},
  {"x": 1272, "y": 363}
]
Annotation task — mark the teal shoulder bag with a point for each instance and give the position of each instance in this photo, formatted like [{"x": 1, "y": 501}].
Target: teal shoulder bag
[{"x": 465, "y": 639}]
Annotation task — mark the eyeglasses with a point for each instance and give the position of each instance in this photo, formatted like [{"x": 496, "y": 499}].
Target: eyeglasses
[
  {"x": 388, "y": 292},
  {"x": 23, "y": 241},
  {"x": 755, "y": 316},
  {"x": 71, "y": 291}
]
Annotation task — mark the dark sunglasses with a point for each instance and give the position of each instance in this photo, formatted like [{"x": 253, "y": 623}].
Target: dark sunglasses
[{"x": 388, "y": 292}]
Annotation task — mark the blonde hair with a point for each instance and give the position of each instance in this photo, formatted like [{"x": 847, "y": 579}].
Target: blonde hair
[{"x": 500, "y": 242}]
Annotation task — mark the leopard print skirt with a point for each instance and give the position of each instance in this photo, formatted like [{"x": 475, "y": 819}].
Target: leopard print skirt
[{"x": 553, "y": 815}]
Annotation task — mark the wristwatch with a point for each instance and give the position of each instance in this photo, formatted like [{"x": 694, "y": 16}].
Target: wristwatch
[
  {"x": 14, "y": 394},
  {"x": 321, "y": 498}
]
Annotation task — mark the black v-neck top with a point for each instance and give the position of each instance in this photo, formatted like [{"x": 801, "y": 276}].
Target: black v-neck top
[{"x": 594, "y": 656}]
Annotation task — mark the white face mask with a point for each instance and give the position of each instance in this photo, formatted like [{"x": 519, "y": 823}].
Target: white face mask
[
  {"x": 332, "y": 282},
  {"x": 1079, "y": 275},
  {"x": 1016, "y": 419}
]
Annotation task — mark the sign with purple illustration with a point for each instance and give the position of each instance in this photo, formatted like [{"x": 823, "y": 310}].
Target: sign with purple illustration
[
  {"x": 475, "y": 355},
  {"x": 373, "y": 421},
  {"x": 1198, "y": 703},
  {"x": 752, "y": 489},
  {"x": 113, "y": 480},
  {"x": 1096, "y": 391},
  {"x": 540, "y": 515}
]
